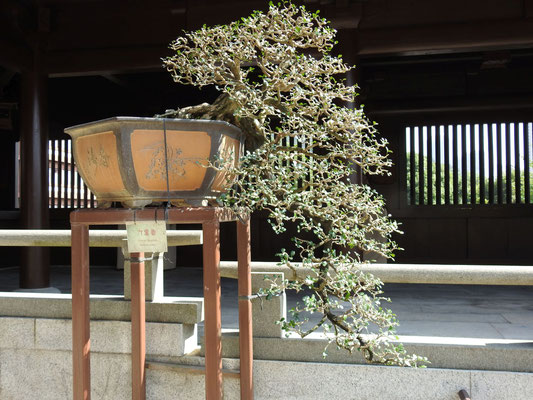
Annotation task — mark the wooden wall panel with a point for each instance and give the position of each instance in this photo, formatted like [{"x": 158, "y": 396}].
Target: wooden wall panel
[
  {"x": 520, "y": 238},
  {"x": 487, "y": 238},
  {"x": 466, "y": 240},
  {"x": 427, "y": 239}
]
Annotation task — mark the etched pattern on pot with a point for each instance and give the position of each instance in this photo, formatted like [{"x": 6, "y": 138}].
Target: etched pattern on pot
[
  {"x": 187, "y": 154},
  {"x": 98, "y": 156}
]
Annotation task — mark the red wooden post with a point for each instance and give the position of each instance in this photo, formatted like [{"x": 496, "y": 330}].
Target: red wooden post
[
  {"x": 245, "y": 310},
  {"x": 138, "y": 327},
  {"x": 212, "y": 324},
  {"x": 210, "y": 218},
  {"x": 81, "y": 369}
]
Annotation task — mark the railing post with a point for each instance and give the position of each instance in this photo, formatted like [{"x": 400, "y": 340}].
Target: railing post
[{"x": 267, "y": 312}]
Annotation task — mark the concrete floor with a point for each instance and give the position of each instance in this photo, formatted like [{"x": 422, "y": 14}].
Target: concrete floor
[{"x": 427, "y": 313}]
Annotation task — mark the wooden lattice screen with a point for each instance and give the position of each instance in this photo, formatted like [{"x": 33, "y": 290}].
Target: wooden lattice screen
[
  {"x": 66, "y": 188},
  {"x": 469, "y": 164}
]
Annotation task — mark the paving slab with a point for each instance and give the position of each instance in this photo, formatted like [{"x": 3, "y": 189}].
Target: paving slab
[
  {"x": 448, "y": 329},
  {"x": 406, "y": 316},
  {"x": 515, "y": 331},
  {"x": 519, "y": 318}
]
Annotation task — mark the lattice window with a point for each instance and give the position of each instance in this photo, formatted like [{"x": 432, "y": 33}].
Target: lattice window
[
  {"x": 66, "y": 189},
  {"x": 469, "y": 164}
]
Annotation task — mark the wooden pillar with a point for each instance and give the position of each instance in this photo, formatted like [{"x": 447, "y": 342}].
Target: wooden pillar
[{"x": 35, "y": 264}]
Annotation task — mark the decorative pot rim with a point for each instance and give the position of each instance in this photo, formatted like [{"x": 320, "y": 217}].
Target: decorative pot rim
[{"x": 196, "y": 123}]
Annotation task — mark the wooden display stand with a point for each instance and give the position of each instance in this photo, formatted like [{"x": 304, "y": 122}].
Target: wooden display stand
[{"x": 210, "y": 218}]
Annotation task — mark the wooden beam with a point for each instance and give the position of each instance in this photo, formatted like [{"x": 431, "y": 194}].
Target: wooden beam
[
  {"x": 344, "y": 16},
  {"x": 448, "y": 38},
  {"x": 522, "y": 103},
  {"x": 396, "y": 13},
  {"x": 115, "y": 24},
  {"x": 105, "y": 61},
  {"x": 126, "y": 53},
  {"x": 200, "y": 12}
]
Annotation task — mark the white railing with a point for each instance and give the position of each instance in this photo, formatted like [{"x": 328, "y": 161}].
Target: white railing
[
  {"x": 97, "y": 238},
  {"x": 442, "y": 274}
]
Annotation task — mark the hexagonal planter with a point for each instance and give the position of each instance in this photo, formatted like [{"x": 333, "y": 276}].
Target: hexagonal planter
[{"x": 122, "y": 159}]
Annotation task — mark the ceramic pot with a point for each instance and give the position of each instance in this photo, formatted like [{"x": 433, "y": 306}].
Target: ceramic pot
[{"x": 122, "y": 159}]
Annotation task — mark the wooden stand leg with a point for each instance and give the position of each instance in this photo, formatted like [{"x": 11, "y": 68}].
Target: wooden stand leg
[
  {"x": 81, "y": 369},
  {"x": 138, "y": 328},
  {"x": 245, "y": 310},
  {"x": 212, "y": 324}
]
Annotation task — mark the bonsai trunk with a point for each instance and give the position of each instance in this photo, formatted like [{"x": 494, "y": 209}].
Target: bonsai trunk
[{"x": 223, "y": 109}]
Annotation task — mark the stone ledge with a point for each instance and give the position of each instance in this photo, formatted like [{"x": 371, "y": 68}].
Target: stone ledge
[
  {"x": 298, "y": 380},
  {"x": 115, "y": 337},
  {"x": 442, "y": 274},
  {"x": 112, "y": 337},
  {"x": 49, "y": 373},
  {"x": 188, "y": 369},
  {"x": 183, "y": 310},
  {"x": 478, "y": 354},
  {"x": 97, "y": 238},
  {"x": 17, "y": 333}
]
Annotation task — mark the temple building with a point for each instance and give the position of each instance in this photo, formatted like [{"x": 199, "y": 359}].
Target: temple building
[{"x": 448, "y": 83}]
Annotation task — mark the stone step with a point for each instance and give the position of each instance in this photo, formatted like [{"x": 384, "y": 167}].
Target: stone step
[
  {"x": 185, "y": 366},
  {"x": 111, "y": 337},
  {"x": 296, "y": 380},
  {"x": 183, "y": 310},
  {"x": 450, "y": 353}
]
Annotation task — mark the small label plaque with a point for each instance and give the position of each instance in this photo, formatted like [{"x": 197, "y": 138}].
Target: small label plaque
[{"x": 150, "y": 237}]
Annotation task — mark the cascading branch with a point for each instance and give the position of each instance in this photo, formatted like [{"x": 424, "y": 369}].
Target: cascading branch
[{"x": 283, "y": 88}]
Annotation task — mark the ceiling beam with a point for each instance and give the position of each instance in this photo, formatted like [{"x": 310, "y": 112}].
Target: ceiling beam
[
  {"x": 116, "y": 80},
  {"x": 409, "y": 40},
  {"x": 449, "y": 38},
  {"x": 105, "y": 61},
  {"x": 489, "y": 104}
]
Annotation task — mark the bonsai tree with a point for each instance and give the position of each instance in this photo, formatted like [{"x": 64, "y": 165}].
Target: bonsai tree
[{"x": 280, "y": 84}]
